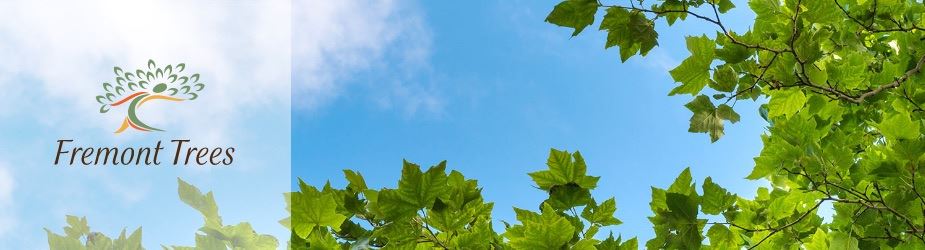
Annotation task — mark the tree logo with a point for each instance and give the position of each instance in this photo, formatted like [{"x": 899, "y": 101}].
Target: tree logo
[{"x": 136, "y": 88}]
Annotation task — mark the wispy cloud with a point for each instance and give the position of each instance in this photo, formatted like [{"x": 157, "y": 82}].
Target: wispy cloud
[
  {"x": 335, "y": 40},
  {"x": 659, "y": 61}
]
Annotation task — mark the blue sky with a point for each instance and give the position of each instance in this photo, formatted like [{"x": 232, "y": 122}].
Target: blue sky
[{"x": 489, "y": 87}]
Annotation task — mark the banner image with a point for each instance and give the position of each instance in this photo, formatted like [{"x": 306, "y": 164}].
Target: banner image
[{"x": 462, "y": 125}]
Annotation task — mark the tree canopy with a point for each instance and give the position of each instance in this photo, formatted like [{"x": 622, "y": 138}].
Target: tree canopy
[{"x": 844, "y": 90}]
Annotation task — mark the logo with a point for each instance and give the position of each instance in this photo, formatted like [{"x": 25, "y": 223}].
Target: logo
[{"x": 133, "y": 89}]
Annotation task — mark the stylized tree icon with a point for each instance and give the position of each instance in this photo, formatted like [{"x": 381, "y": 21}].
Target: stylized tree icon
[{"x": 136, "y": 88}]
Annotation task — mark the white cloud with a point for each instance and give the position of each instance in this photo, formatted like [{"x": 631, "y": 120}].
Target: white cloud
[
  {"x": 333, "y": 40},
  {"x": 659, "y": 61},
  {"x": 241, "y": 49},
  {"x": 410, "y": 98}
]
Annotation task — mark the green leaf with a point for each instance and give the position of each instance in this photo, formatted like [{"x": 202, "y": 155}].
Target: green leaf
[
  {"x": 212, "y": 235},
  {"x": 77, "y": 227},
  {"x": 630, "y": 244},
  {"x": 700, "y": 104},
  {"x": 899, "y": 126},
  {"x": 683, "y": 229},
  {"x": 585, "y": 244},
  {"x": 694, "y": 72},
  {"x": 782, "y": 207},
  {"x": 98, "y": 241},
  {"x": 602, "y": 214},
  {"x": 312, "y": 209},
  {"x": 682, "y": 184},
  {"x": 567, "y": 196},
  {"x": 826, "y": 12},
  {"x": 909, "y": 150},
  {"x": 706, "y": 122},
  {"x": 56, "y": 241},
  {"x": 842, "y": 241},
  {"x": 133, "y": 241},
  {"x": 205, "y": 204},
  {"x": 818, "y": 241},
  {"x": 683, "y": 207},
  {"x": 708, "y": 118},
  {"x": 724, "y": 79},
  {"x": 421, "y": 189},
  {"x": 612, "y": 243},
  {"x": 715, "y": 198},
  {"x": 725, "y": 112},
  {"x": 479, "y": 236},
  {"x": 816, "y": 75},
  {"x": 851, "y": 71},
  {"x": 400, "y": 235},
  {"x": 807, "y": 48},
  {"x": 786, "y": 102},
  {"x": 632, "y": 31},
  {"x": 724, "y": 5},
  {"x": 731, "y": 53},
  {"x": 576, "y": 14},
  {"x": 540, "y": 231},
  {"x": 722, "y": 238},
  {"x": 564, "y": 168},
  {"x": 78, "y": 230},
  {"x": 764, "y": 8},
  {"x": 692, "y": 76},
  {"x": 357, "y": 183},
  {"x": 416, "y": 190},
  {"x": 609, "y": 244}
]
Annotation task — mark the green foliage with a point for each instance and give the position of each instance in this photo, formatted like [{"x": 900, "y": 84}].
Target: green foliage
[
  {"x": 433, "y": 209},
  {"x": 631, "y": 31},
  {"x": 77, "y": 235},
  {"x": 213, "y": 235},
  {"x": 843, "y": 85}
]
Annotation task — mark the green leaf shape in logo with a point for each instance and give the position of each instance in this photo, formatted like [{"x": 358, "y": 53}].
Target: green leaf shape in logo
[{"x": 134, "y": 88}]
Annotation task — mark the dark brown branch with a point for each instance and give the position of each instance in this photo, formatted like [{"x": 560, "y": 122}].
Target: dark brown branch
[{"x": 893, "y": 84}]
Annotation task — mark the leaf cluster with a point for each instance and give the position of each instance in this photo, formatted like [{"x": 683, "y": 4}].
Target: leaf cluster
[
  {"x": 435, "y": 209},
  {"x": 212, "y": 235},
  {"x": 843, "y": 89}
]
